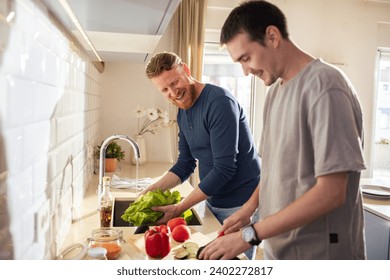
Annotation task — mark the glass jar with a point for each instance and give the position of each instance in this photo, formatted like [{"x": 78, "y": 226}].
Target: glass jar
[
  {"x": 108, "y": 238},
  {"x": 96, "y": 253},
  {"x": 74, "y": 252}
]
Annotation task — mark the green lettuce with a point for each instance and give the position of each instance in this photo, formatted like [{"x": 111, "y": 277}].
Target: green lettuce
[
  {"x": 140, "y": 213},
  {"x": 187, "y": 215}
]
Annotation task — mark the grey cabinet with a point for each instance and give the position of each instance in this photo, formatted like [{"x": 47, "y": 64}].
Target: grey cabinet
[{"x": 377, "y": 237}]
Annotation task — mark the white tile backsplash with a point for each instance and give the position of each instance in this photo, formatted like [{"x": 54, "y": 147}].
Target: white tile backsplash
[
  {"x": 14, "y": 55},
  {"x": 35, "y": 142},
  {"x": 63, "y": 217},
  {"x": 49, "y": 111},
  {"x": 20, "y": 98},
  {"x": 20, "y": 193},
  {"x": 40, "y": 173},
  {"x": 46, "y": 98},
  {"x": 35, "y": 60},
  {"x": 13, "y": 149},
  {"x": 51, "y": 66}
]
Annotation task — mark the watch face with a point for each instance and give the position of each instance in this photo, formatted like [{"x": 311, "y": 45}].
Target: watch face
[{"x": 248, "y": 234}]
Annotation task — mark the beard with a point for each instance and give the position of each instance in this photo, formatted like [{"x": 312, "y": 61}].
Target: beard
[{"x": 188, "y": 99}]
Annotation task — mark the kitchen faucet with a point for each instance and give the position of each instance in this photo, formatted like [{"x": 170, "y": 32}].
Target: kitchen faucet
[{"x": 103, "y": 148}]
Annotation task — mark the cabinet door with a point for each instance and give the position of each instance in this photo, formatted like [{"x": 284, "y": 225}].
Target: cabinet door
[{"x": 377, "y": 237}]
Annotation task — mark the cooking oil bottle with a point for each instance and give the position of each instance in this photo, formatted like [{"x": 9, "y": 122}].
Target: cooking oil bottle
[{"x": 106, "y": 202}]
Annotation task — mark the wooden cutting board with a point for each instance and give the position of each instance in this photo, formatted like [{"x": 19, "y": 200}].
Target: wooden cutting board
[{"x": 137, "y": 241}]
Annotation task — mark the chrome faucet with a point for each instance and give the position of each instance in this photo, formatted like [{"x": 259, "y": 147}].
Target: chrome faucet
[{"x": 103, "y": 148}]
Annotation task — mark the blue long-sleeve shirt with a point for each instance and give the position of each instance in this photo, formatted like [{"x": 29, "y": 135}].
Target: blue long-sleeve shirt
[{"x": 215, "y": 131}]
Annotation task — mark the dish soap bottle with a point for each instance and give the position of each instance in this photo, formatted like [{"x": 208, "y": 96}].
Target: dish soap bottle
[{"x": 105, "y": 203}]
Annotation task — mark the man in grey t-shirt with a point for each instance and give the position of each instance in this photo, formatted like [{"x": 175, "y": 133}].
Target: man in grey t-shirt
[{"x": 309, "y": 200}]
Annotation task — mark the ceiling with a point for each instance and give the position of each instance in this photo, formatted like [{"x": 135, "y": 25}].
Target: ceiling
[{"x": 119, "y": 30}]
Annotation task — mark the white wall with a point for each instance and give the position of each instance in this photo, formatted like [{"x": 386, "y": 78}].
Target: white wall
[
  {"x": 125, "y": 86},
  {"x": 345, "y": 32},
  {"x": 49, "y": 119}
]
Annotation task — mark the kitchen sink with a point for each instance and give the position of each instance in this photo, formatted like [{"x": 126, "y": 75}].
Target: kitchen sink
[{"x": 122, "y": 203}]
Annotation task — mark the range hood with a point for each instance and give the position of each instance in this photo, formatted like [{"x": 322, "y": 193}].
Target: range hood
[{"x": 115, "y": 30}]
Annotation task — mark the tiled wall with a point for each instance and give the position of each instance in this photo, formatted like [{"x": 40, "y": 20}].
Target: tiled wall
[{"x": 49, "y": 122}]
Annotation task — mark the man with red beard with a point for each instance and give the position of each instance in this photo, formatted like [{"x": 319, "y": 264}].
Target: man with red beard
[{"x": 213, "y": 130}]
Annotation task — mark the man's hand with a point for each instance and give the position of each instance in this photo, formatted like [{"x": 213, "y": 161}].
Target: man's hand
[
  {"x": 225, "y": 247},
  {"x": 170, "y": 211},
  {"x": 236, "y": 221}
]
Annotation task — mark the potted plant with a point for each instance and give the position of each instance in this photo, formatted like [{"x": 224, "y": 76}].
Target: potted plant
[
  {"x": 114, "y": 154},
  {"x": 382, "y": 154}
]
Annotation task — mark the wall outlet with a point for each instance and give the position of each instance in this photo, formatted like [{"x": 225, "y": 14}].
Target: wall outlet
[{"x": 42, "y": 220}]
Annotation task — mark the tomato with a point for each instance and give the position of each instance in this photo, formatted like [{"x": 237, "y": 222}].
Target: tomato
[
  {"x": 181, "y": 233},
  {"x": 157, "y": 243},
  {"x": 172, "y": 223}
]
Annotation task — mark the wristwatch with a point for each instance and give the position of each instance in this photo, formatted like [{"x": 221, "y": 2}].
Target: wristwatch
[{"x": 249, "y": 235}]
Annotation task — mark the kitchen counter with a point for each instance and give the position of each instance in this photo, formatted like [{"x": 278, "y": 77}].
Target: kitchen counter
[
  {"x": 88, "y": 218},
  {"x": 379, "y": 207}
]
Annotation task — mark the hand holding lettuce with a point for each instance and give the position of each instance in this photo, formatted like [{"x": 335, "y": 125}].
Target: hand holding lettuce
[{"x": 140, "y": 212}]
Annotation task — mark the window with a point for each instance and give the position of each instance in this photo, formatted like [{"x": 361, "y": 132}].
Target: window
[
  {"x": 381, "y": 150},
  {"x": 219, "y": 69},
  {"x": 385, "y": 88}
]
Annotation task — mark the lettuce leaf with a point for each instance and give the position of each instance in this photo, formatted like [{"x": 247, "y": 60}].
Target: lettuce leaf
[
  {"x": 187, "y": 215},
  {"x": 140, "y": 213}
]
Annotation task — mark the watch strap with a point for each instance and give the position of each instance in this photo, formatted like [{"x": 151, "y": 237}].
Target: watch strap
[{"x": 256, "y": 240}]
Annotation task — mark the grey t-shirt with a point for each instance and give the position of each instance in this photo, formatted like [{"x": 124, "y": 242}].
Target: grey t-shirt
[{"x": 313, "y": 126}]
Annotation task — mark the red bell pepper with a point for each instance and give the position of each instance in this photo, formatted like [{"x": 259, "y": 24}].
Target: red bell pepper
[
  {"x": 157, "y": 243},
  {"x": 163, "y": 228}
]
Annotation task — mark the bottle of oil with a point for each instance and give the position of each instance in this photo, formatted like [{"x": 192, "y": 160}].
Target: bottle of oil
[{"x": 106, "y": 202}]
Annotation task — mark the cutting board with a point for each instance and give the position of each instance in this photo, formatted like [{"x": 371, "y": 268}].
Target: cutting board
[{"x": 137, "y": 241}]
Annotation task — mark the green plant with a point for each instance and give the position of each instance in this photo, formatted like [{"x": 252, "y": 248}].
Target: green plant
[
  {"x": 113, "y": 151},
  {"x": 384, "y": 141}
]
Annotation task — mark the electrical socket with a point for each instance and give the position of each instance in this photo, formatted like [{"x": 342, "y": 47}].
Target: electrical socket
[{"x": 42, "y": 219}]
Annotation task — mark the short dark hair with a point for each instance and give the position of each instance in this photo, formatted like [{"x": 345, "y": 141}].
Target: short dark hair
[
  {"x": 161, "y": 62},
  {"x": 253, "y": 17}
]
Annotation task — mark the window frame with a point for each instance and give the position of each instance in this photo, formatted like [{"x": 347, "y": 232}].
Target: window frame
[{"x": 257, "y": 87}]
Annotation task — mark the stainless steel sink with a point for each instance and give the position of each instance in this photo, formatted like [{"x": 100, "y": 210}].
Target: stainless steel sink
[{"x": 122, "y": 203}]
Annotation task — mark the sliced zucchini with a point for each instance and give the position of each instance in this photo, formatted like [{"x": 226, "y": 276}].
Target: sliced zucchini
[
  {"x": 187, "y": 250},
  {"x": 190, "y": 245},
  {"x": 181, "y": 254}
]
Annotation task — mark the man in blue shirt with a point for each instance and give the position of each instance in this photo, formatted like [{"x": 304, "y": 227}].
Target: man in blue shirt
[{"x": 214, "y": 131}]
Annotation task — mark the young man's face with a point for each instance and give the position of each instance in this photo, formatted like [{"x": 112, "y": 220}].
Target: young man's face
[
  {"x": 254, "y": 58},
  {"x": 176, "y": 86}
]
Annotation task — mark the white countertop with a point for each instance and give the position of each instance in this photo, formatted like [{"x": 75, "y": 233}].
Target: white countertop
[
  {"x": 89, "y": 217},
  {"x": 380, "y": 206}
]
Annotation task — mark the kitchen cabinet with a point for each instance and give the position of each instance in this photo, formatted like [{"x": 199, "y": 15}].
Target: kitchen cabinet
[
  {"x": 377, "y": 236},
  {"x": 135, "y": 26},
  {"x": 377, "y": 222}
]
